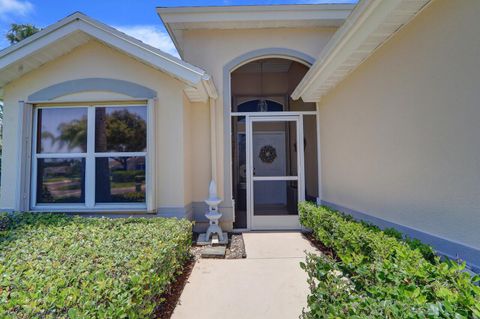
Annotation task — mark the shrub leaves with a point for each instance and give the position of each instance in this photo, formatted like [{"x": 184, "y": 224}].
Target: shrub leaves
[
  {"x": 379, "y": 275},
  {"x": 54, "y": 266}
]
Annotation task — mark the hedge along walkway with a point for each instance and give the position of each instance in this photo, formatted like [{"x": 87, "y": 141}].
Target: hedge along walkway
[{"x": 269, "y": 283}]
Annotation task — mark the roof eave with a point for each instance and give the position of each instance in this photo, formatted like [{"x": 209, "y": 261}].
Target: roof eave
[
  {"x": 210, "y": 16},
  {"x": 190, "y": 75},
  {"x": 352, "y": 44}
]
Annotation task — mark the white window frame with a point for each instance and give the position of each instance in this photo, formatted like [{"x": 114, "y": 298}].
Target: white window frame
[
  {"x": 267, "y": 115},
  {"x": 90, "y": 157}
]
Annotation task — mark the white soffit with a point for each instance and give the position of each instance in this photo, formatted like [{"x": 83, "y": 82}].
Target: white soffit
[
  {"x": 76, "y": 30},
  {"x": 371, "y": 24},
  {"x": 179, "y": 19}
]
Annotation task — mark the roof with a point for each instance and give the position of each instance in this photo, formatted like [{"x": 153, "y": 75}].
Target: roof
[
  {"x": 77, "y": 29},
  {"x": 372, "y": 23},
  {"x": 179, "y": 19}
]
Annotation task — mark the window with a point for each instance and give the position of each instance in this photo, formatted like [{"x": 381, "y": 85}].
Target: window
[{"x": 92, "y": 156}]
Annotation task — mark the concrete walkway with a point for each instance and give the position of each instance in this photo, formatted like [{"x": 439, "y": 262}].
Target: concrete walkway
[{"x": 269, "y": 283}]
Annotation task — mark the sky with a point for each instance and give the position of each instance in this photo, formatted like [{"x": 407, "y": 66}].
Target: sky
[{"x": 137, "y": 18}]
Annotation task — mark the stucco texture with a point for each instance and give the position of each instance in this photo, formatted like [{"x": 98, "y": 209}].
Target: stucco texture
[
  {"x": 400, "y": 135},
  {"x": 97, "y": 60},
  {"x": 213, "y": 49}
]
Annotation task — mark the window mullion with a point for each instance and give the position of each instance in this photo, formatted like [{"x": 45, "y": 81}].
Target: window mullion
[
  {"x": 90, "y": 160},
  {"x": 121, "y": 154}
]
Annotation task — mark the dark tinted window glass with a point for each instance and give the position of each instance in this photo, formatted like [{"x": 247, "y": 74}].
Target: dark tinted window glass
[
  {"x": 61, "y": 180},
  {"x": 120, "y": 179},
  {"x": 260, "y": 106},
  {"x": 121, "y": 129},
  {"x": 62, "y": 130},
  {"x": 239, "y": 171},
  {"x": 311, "y": 157},
  {"x": 275, "y": 198}
]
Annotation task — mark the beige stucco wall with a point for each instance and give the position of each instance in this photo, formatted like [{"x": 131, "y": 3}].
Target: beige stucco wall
[
  {"x": 200, "y": 151},
  {"x": 97, "y": 60},
  {"x": 400, "y": 136},
  {"x": 213, "y": 49}
]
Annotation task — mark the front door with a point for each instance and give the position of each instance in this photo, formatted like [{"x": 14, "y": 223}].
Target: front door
[{"x": 275, "y": 182}]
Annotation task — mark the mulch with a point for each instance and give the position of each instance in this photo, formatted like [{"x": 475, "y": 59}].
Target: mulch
[
  {"x": 235, "y": 250},
  {"x": 320, "y": 246},
  {"x": 172, "y": 295}
]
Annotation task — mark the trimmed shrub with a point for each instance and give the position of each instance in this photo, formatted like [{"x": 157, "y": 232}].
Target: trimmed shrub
[
  {"x": 376, "y": 275},
  {"x": 4, "y": 221},
  {"x": 128, "y": 176},
  {"x": 55, "y": 266}
]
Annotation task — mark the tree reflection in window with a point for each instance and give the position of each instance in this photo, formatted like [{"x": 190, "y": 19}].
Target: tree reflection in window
[
  {"x": 62, "y": 130},
  {"x": 61, "y": 180},
  {"x": 118, "y": 130}
]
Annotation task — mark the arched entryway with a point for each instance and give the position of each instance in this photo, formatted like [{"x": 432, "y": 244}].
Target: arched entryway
[{"x": 273, "y": 144}]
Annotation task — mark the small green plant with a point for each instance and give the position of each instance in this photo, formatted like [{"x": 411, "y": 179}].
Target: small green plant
[
  {"x": 54, "y": 266},
  {"x": 377, "y": 274}
]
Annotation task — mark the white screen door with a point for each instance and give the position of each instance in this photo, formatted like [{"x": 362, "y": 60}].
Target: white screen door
[{"x": 275, "y": 171}]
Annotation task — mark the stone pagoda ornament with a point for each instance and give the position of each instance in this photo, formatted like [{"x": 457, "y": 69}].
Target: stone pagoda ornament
[{"x": 213, "y": 215}]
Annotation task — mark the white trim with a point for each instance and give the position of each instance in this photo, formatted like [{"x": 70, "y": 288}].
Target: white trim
[
  {"x": 275, "y": 178},
  {"x": 24, "y": 132},
  {"x": 300, "y": 160},
  {"x": 33, "y": 160},
  {"x": 197, "y": 80},
  {"x": 60, "y": 102},
  {"x": 90, "y": 172},
  {"x": 210, "y": 86},
  {"x": 120, "y": 154},
  {"x": 150, "y": 158},
  {"x": 80, "y": 208},
  {"x": 228, "y": 68},
  {"x": 319, "y": 156},
  {"x": 302, "y": 59},
  {"x": 286, "y": 113},
  {"x": 256, "y": 222},
  {"x": 63, "y": 155},
  {"x": 179, "y": 19},
  {"x": 370, "y": 25},
  {"x": 249, "y": 163},
  {"x": 280, "y": 116},
  {"x": 90, "y": 156}
]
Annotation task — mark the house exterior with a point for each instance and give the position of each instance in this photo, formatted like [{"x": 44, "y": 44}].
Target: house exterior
[{"x": 369, "y": 108}]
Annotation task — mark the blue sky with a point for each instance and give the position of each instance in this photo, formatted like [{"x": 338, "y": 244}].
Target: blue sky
[{"x": 135, "y": 17}]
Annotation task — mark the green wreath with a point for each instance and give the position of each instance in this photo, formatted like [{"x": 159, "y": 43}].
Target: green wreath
[{"x": 268, "y": 154}]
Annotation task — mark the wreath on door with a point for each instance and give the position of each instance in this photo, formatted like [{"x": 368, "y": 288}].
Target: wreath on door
[{"x": 268, "y": 154}]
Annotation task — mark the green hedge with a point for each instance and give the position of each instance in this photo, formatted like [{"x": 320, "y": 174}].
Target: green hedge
[
  {"x": 375, "y": 275},
  {"x": 54, "y": 266},
  {"x": 128, "y": 176}
]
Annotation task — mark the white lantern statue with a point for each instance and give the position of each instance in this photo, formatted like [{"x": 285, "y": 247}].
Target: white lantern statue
[{"x": 213, "y": 214}]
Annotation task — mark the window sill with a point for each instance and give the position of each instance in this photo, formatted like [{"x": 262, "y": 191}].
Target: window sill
[{"x": 106, "y": 208}]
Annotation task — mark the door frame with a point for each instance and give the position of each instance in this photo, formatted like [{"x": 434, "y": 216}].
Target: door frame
[{"x": 274, "y": 221}]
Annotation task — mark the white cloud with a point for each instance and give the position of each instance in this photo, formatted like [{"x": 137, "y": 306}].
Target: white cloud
[
  {"x": 12, "y": 8},
  {"x": 152, "y": 35}
]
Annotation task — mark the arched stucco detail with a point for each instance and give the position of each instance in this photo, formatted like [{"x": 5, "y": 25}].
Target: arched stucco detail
[
  {"x": 131, "y": 89},
  {"x": 283, "y": 53}
]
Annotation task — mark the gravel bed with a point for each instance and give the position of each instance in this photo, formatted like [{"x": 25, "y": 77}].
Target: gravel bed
[{"x": 235, "y": 248}]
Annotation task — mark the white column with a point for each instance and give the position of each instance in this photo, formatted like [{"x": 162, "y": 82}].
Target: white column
[{"x": 319, "y": 156}]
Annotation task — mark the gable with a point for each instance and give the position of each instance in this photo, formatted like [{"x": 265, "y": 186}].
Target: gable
[
  {"x": 76, "y": 30},
  {"x": 84, "y": 67}
]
